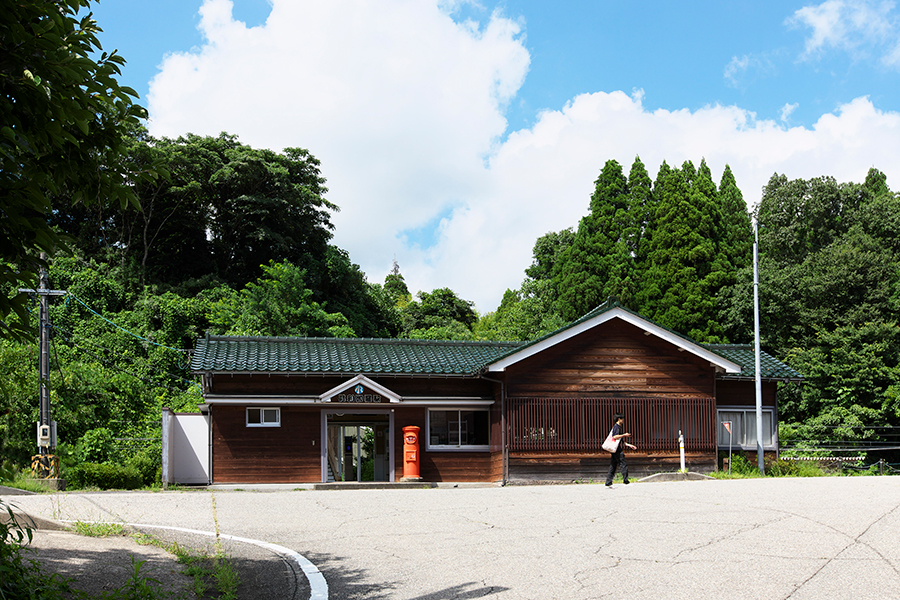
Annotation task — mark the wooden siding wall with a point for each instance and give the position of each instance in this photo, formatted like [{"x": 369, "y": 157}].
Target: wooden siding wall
[
  {"x": 613, "y": 360},
  {"x": 267, "y": 384},
  {"x": 287, "y": 454},
  {"x": 743, "y": 393},
  {"x": 447, "y": 465},
  {"x": 283, "y": 454}
]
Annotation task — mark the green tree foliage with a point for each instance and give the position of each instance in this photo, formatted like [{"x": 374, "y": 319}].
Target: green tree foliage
[
  {"x": 524, "y": 314},
  {"x": 665, "y": 249},
  {"x": 439, "y": 314},
  {"x": 279, "y": 304},
  {"x": 828, "y": 258},
  {"x": 829, "y": 295},
  {"x": 737, "y": 228},
  {"x": 64, "y": 116},
  {"x": 225, "y": 210},
  {"x": 641, "y": 201},
  {"x": 343, "y": 288},
  {"x": 598, "y": 263},
  {"x": 686, "y": 267},
  {"x": 852, "y": 392},
  {"x": 548, "y": 251},
  {"x": 116, "y": 360},
  {"x": 530, "y": 311},
  {"x": 852, "y": 369},
  {"x": 395, "y": 287}
]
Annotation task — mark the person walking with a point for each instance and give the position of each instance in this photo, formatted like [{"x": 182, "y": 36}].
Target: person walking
[{"x": 617, "y": 460}]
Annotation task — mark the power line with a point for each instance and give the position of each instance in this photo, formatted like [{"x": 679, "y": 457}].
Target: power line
[
  {"x": 135, "y": 375},
  {"x": 149, "y": 341},
  {"x": 69, "y": 335}
]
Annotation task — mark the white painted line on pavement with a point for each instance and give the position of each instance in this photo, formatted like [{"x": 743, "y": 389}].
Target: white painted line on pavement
[{"x": 317, "y": 584}]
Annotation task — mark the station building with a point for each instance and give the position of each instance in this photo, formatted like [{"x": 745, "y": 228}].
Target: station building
[{"x": 292, "y": 410}]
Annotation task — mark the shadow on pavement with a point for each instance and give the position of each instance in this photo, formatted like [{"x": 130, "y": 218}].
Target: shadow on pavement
[
  {"x": 97, "y": 565},
  {"x": 348, "y": 583}
]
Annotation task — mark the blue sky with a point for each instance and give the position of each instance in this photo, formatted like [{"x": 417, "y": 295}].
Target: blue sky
[
  {"x": 678, "y": 53},
  {"x": 453, "y": 134}
]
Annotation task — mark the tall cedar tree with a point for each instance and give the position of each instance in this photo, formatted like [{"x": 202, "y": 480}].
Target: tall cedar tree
[
  {"x": 737, "y": 244},
  {"x": 737, "y": 235},
  {"x": 595, "y": 265},
  {"x": 641, "y": 204},
  {"x": 685, "y": 265}
]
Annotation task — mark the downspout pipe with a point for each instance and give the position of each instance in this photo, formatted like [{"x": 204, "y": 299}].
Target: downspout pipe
[{"x": 503, "y": 450}]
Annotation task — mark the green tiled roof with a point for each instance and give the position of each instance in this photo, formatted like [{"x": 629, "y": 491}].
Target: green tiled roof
[
  {"x": 343, "y": 355},
  {"x": 232, "y": 354},
  {"x": 742, "y": 354}
]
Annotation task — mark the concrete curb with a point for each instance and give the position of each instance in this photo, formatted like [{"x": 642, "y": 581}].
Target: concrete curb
[
  {"x": 23, "y": 518},
  {"x": 9, "y": 491},
  {"x": 318, "y": 585},
  {"x": 676, "y": 476}
]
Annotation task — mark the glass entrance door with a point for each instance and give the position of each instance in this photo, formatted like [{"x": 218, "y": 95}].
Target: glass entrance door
[{"x": 357, "y": 447}]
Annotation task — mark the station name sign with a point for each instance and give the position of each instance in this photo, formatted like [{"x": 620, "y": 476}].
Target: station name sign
[
  {"x": 360, "y": 395},
  {"x": 360, "y": 398}
]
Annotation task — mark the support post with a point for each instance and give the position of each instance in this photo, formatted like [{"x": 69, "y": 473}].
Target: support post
[
  {"x": 166, "y": 463},
  {"x": 730, "y": 438}
]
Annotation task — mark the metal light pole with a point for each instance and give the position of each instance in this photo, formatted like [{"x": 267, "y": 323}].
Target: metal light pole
[{"x": 756, "y": 350}]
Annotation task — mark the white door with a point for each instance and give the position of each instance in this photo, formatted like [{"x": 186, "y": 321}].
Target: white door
[{"x": 190, "y": 448}]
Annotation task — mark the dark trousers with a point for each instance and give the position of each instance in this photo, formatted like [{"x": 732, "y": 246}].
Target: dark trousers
[{"x": 618, "y": 461}]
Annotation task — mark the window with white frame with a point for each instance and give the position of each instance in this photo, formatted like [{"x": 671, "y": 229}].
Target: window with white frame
[
  {"x": 459, "y": 429},
  {"x": 263, "y": 417},
  {"x": 743, "y": 427}
]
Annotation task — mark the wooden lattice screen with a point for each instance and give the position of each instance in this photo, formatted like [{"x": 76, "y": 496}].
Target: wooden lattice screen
[{"x": 581, "y": 424}]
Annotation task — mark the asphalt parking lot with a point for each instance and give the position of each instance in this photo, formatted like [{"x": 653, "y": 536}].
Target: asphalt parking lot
[{"x": 754, "y": 539}]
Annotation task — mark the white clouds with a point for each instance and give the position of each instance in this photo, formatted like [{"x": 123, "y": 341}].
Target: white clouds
[
  {"x": 399, "y": 102},
  {"x": 735, "y": 69},
  {"x": 542, "y": 177},
  {"x": 743, "y": 70},
  {"x": 405, "y": 107},
  {"x": 856, "y": 27},
  {"x": 786, "y": 111}
]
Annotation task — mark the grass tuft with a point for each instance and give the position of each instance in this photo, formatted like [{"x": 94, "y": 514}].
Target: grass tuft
[{"x": 99, "y": 529}]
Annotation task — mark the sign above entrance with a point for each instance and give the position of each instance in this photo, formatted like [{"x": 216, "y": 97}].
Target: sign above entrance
[
  {"x": 361, "y": 395},
  {"x": 359, "y": 390}
]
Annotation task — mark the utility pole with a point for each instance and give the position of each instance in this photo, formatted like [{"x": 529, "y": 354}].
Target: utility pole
[
  {"x": 46, "y": 440},
  {"x": 756, "y": 352}
]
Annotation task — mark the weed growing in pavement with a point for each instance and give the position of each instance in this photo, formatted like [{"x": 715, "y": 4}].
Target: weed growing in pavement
[
  {"x": 24, "y": 578},
  {"x": 138, "y": 587},
  {"x": 212, "y": 576},
  {"x": 227, "y": 579},
  {"x": 99, "y": 529}
]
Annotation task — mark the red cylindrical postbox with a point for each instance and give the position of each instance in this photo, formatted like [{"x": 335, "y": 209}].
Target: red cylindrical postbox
[{"x": 411, "y": 454}]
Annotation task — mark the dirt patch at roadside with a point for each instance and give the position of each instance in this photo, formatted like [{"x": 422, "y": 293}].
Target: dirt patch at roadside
[{"x": 104, "y": 564}]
